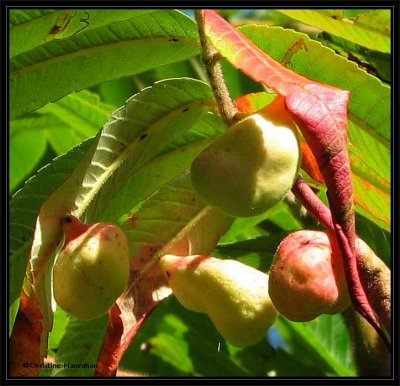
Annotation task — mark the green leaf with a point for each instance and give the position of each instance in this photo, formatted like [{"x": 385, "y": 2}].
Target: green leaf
[
  {"x": 83, "y": 57},
  {"x": 371, "y": 30},
  {"x": 377, "y": 238},
  {"x": 26, "y": 150},
  {"x": 117, "y": 91},
  {"x": 133, "y": 136},
  {"x": 369, "y": 112},
  {"x": 263, "y": 360},
  {"x": 61, "y": 320},
  {"x": 323, "y": 342},
  {"x": 67, "y": 122},
  {"x": 257, "y": 252},
  {"x": 187, "y": 69},
  {"x": 32, "y": 28},
  {"x": 245, "y": 228},
  {"x": 352, "y": 13},
  {"x": 375, "y": 62},
  {"x": 205, "y": 129},
  {"x": 59, "y": 134},
  {"x": 177, "y": 342},
  {"x": 371, "y": 188},
  {"x": 81, "y": 111},
  {"x": 12, "y": 314},
  {"x": 238, "y": 82},
  {"x": 79, "y": 347},
  {"x": 64, "y": 139},
  {"x": 151, "y": 177},
  {"x": 276, "y": 220},
  {"x": 173, "y": 160},
  {"x": 378, "y": 20},
  {"x": 20, "y": 16},
  {"x": 35, "y": 122}
]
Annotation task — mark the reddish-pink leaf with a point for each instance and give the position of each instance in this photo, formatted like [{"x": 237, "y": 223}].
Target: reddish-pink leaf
[
  {"x": 321, "y": 113},
  {"x": 116, "y": 342},
  {"x": 25, "y": 339},
  {"x": 243, "y": 54},
  {"x": 107, "y": 362},
  {"x": 126, "y": 318}
]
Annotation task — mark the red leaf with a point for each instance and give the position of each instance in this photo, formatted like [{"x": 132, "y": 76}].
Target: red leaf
[
  {"x": 25, "y": 339},
  {"x": 321, "y": 113},
  {"x": 115, "y": 343},
  {"x": 107, "y": 363},
  {"x": 243, "y": 54},
  {"x": 125, "y": 320}
]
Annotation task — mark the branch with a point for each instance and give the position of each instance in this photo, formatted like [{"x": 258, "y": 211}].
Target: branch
[
  {"x": 210, "y": 59},
  {"x": 312, "y": 203}
]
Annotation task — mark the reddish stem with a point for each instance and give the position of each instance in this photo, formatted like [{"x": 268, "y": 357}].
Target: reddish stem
[
  {"x": 344, "y": 246},
  {"x": 312, "y": 203}
]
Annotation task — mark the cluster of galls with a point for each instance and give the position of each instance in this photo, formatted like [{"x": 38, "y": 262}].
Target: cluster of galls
[
  {"x": 244, "y": 172},
  {"x": 305, "y": 281}
]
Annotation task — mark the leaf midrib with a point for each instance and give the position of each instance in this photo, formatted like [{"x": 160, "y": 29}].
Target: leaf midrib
[
  {"x": 125, "y": 155},
  {"x": 55, "y": 14},
  {"x": 86, "y": 52}
]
